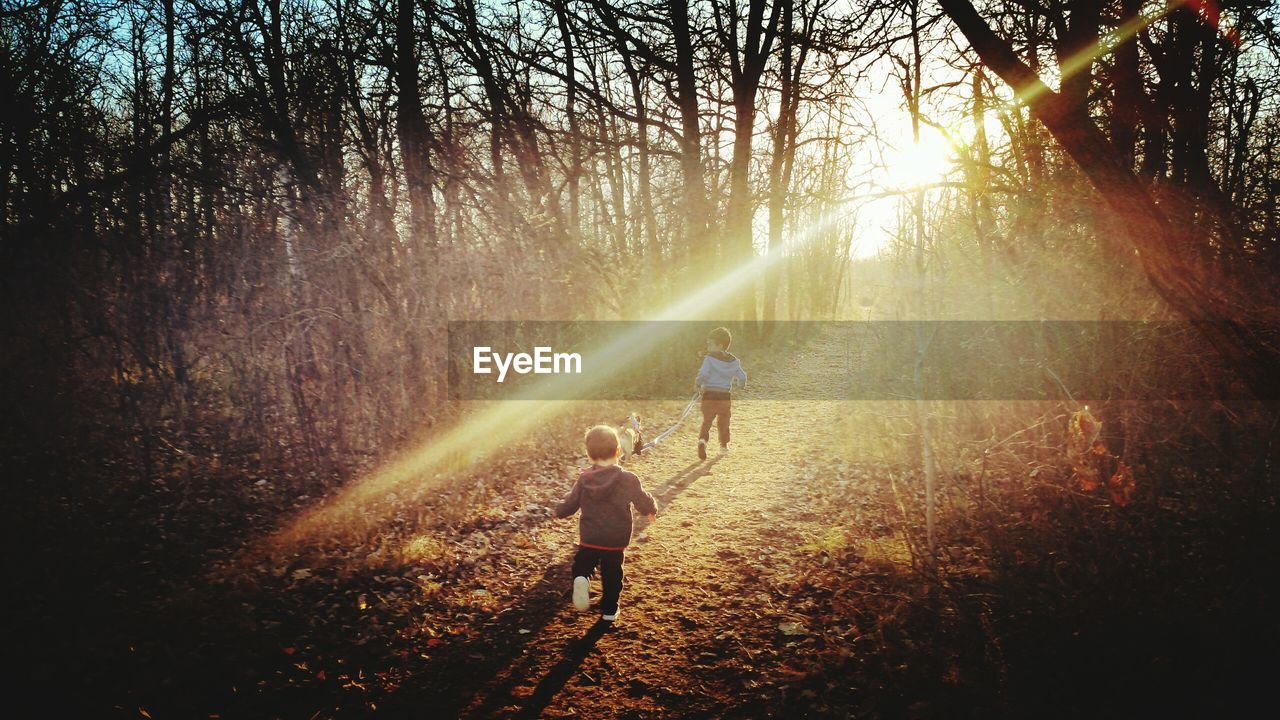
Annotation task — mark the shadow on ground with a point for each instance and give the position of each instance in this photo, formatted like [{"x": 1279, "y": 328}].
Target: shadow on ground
[
  {"x": 678, "y": 483},
  {"x": 575, "y": 651},
  {"x": 454, "y": 680}
]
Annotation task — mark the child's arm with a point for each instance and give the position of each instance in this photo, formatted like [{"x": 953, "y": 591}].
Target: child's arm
[
  {"x": 571, "y": 502},
  {"x": 741, "y": 377},
  {"x": 643, "y": 501}
]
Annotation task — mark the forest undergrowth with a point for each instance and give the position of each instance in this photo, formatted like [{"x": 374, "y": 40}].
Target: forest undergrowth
[{"x": 788, "y": 578}]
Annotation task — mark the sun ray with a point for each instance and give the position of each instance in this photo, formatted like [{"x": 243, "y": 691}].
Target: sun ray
[
  {"x": 499, "y": 424},
  {"x": 367, "y": 500},
  {"x": 1109, "y": 41}
]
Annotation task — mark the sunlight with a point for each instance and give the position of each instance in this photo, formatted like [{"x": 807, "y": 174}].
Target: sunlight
[
  {"x": 902, "y": 166},
  {"x": 906, "y": 165},
  {"x": 913, "y": 164},
  {"x": 1109, "y": 41},
  {"x": 365, "y": 501}
]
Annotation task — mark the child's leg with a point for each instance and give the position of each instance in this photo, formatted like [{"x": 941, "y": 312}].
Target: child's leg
[
  {"x": 722, "y": 421},
  {"x": 584, "y": 562},
  {"x": 708, "y": 414},
  {"x": 610, "y": 580}
]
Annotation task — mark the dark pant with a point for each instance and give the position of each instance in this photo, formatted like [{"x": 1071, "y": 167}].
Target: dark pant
[
  {"x": 610, "y": 562},
  {"x": 716, "y": 404}
]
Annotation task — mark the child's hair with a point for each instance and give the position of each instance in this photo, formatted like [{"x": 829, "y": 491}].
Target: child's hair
[
  {"x": 602, "y": 442},
  {"x": 722, "y": 336}
]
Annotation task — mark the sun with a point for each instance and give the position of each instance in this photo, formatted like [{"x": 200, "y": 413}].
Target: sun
[
  {"x": 896, "y": 166},
  {"x": 913, "y": 164}
]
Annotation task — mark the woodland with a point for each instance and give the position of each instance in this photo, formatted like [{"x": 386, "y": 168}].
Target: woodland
[{"x": 239, "y": 234}]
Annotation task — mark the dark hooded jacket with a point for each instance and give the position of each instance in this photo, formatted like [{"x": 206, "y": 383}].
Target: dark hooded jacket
[{"x": 605, "y": 494}]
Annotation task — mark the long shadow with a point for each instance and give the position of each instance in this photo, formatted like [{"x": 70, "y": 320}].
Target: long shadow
[
  {"x": 453, "y": 680},
  {"x": 447, "y": 685},
  {"x": 575, "y": 651},
  {"x": 681, "y": 481},
  {"x": 661, "y": 487}
]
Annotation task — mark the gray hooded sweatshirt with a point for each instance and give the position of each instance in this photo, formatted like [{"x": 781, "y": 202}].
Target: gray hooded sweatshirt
[{"x": 605, "y": 493}]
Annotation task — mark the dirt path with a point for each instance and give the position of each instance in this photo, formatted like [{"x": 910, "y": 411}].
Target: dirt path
[
  {"x": 778, "y": 581},
  {"x": 709, "y": 623}
]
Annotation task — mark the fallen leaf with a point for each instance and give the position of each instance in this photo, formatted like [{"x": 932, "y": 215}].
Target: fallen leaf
[
  {"x": 1121, "y": 485},
  {"x": 792, "y": 628}
]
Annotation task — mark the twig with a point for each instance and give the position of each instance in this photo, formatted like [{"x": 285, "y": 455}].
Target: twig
[{"x": 1054, "y": 375}]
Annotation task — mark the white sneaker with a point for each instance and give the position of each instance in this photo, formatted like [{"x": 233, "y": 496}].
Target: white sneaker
[
  {"x": 724, "y": 449},
  {"x": 581, "y": 599},
  {"x": 611, "y": 618}
]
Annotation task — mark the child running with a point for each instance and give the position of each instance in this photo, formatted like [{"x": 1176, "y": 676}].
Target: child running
[
  {"x": 716, "y": 379},
  {"x": 605, "y": 493}
]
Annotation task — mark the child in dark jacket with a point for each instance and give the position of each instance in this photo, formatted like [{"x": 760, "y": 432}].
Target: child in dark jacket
[
  {"x": 605, "y": 493},
  {"x": 719, "y": 374}
]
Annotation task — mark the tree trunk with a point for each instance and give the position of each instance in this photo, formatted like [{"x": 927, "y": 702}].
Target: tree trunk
[
  {"x": 782, "y": 149},
  {"x": 411, "y": 128},
  {"x": 1239, "y": 322},
  {"x": 920, "y": 406},
  {"x": 694, "y": 200},
  {"x": 1126, "y": 87},
  {"x": 574, "y": 172},
  {"x": 644, "y": 185},
  {"x": 979, "y": 179},
  {"x": 1074, "y": 51},
  {"x": 748, "y": 65}
]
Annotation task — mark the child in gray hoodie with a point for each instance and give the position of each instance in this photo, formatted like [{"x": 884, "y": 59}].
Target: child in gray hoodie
[
  {"x": 605, "y": 493},
  {"x": 716, "y": 379}
]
